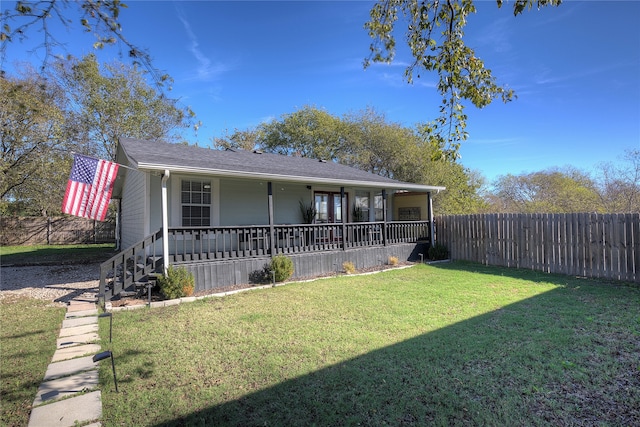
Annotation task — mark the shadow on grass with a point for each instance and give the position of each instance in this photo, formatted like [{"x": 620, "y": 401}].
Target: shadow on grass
[
  {"x": 59, "y": 255},
  {"x": 565, "y": 357}
]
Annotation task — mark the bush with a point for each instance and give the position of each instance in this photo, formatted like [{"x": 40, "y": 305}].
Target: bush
[
  {"x": 282, "y": 266},
  {"x": 348, "y": 267},
  {"x": 393, "y": 260},
  {"x": 438, "y": 252},
  {"x": 177, "y": 283}
]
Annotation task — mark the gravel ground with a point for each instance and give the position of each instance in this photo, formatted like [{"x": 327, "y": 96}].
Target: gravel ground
[{"x": 58, "y": 284}]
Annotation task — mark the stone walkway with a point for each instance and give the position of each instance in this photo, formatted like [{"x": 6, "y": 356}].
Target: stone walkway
[{"x": 68, "y": 395}]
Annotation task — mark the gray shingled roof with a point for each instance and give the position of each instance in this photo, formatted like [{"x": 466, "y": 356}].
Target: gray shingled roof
[{"x": 159, "y": 155}]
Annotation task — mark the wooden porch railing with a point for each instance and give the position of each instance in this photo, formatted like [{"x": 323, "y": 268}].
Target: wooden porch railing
[
  {"x": 130, "y": 266},
  {"x": 188, "y": 244},
  {"x": 133, "y": 266}
]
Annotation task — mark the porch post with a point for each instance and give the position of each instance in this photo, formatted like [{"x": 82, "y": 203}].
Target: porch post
[
  {"x": 344, "y": 218},
  {"x": 165, "y": 223},
  {"x": 272, "y": 234},
  {"x": 384, "y": 217},
  {"x": 432, "y": 228}
]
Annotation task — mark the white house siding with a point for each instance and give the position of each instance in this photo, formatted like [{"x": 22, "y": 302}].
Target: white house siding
[
  {"x": 243, "y": 202},
  {"x": 155, "y": 203},
  {"x": 133, "y": 211},
  {"x": 286, "y": 202}
]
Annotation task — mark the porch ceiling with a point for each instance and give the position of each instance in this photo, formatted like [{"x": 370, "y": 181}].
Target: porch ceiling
[{"x": 177, "y": 158}]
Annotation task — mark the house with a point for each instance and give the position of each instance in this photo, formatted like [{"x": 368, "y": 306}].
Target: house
[{"x": 224, "y": 214}]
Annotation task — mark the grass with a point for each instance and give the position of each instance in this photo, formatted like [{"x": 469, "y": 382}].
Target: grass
[
  {"x": 453, "y": 344},
  {"x": 55, "y": 254},
  {"x": 27, "y": 343}
]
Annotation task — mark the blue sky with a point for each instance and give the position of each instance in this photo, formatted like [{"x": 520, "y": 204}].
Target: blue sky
[{"x": 575, "y": 69}]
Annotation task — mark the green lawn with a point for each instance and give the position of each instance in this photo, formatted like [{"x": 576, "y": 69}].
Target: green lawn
[
  {"x": 28, "y": 332},
  {"x": 452, "y": 344},
  {"x": 55, "y": 254}
]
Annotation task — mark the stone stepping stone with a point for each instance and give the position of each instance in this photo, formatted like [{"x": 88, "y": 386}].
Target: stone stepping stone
[
  {"x": 69, "y": 367},
  {"x": 68, "y": 412},
  {"x": 65, "y": 387},
  {"x": 76, "y": 340},
  {"x": 79, "y": 321},
  {"x": 73, "y": 314},
  {"x": 76, "y": 351},
  {"x": 78, "y": 330},
  {"x": 83, "y": 306}
]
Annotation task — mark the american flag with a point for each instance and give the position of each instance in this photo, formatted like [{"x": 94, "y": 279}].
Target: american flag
[{"x": 89, "y": 187}]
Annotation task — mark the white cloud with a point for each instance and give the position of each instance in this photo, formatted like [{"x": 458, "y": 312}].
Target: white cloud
[{"x": 206, "y": 70}]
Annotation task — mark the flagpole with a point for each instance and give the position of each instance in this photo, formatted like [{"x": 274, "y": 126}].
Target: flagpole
[{"x": 97, "y": 158}]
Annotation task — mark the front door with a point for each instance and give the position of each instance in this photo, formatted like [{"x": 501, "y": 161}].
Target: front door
[{"x": 328, "y": 207}]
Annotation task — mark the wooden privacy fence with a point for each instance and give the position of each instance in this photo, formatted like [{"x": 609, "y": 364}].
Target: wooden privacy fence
[
  {"x": 54, "y": 231},
  {"x": 581, "y": 244}
]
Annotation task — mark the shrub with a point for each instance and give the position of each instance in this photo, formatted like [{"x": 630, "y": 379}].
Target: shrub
[
  {"x": 438, "y": 252},
  {"x": 177, "y": 283},
  {"x": 393, "y": 260},
  {"x": 282, "y": 266},
  {"x": 348, "y": 267}
]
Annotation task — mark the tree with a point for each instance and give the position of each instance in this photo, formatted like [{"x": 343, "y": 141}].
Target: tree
[
  {"x": 242, "y": 139},
  {"x": 32, "y": 137},
  {"x": 380, "y": 147},
  {"x": 366, "y": 140},
  {"x": 98, "y": 17},
  {"x": 80, "y": 108},
  {"x": 308, "y": 132},
  {"x": 434, "y": 33},
  {"x": 114, "y": 101},
  {"x": 619, "y": 184},
  {"x": 550, "y": 191}
]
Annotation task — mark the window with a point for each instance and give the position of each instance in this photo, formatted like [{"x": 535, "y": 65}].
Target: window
[
  {"x": 196, "y": 203},
  {"x": 378, "y": 207},
  {"x": 361, "y": 213}
]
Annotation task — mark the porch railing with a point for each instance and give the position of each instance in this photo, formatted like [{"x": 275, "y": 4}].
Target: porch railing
[
  {"x": 188, "y": 244},
  {"x": 130, "y": 266}
]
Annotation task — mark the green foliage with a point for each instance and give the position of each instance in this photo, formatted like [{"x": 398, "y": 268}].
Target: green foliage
[
  {"x": 114, "y": 101},
  {"x": 438, "y": 252},
  {"x": 550, "y": 191},
  {"x": 367, "y": 141},
  {"x": 309, "y": 353},
  {"x": 33, "y": 136},
  {"x": 357, "y": 214},
  {"x": 434, "y": 33},
  {"x": 27, "y": 342},
  {"x": 308, "y": 212},
  {"x": 178, "y": 283},
  {"x": 282, "y": 266},
  {"x": 308, "y": 132}
]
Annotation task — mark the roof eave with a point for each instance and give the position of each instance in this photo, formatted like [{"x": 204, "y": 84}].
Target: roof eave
[{"x": 282, "y": 178}]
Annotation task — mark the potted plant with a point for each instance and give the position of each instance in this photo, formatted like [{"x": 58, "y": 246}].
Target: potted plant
[{"x": 308, "y": 212}]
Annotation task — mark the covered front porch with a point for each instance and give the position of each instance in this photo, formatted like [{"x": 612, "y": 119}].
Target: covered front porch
[
  {"x": 225, "y": 214},
  {"x": 229, "y": 256},
  {"x": 187, "y": 244}
]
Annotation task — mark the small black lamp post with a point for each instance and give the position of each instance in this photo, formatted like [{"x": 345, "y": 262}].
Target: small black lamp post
[{"x": 106, "y": 355}]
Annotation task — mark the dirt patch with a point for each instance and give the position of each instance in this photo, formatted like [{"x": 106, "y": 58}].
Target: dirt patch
[{"x": 55, "y": 283}]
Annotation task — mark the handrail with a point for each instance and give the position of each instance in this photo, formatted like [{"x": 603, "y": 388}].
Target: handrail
[
  {"x": 193, "y": 244},
  {"x": 129, "y": 266}
]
